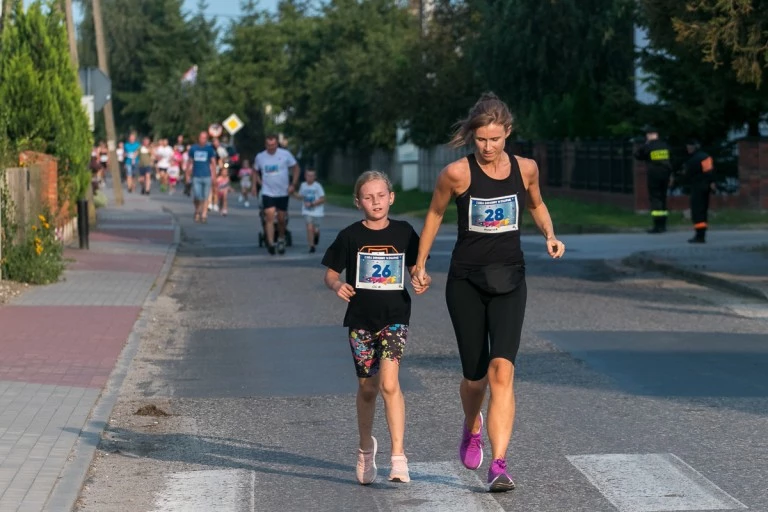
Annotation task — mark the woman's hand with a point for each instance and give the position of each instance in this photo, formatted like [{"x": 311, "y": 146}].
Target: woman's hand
[
  {"x": 420, "y": 280},
  {"x": 555, "y": 247}
]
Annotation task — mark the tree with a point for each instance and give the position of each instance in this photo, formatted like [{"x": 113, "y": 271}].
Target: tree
[
  {"x": 537, "y": 55},
  {"x": 696, "y": 99},
  {"x": 443, "y": 81},
  {"x": 728, "y": 31},
  {"x": 150, "y": 45},
  {"x": 39, "y": 92},
  {"x": 351, "y": 63}
]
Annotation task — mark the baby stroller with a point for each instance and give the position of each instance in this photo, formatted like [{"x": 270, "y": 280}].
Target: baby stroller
[{"x": 263, "y": 233}]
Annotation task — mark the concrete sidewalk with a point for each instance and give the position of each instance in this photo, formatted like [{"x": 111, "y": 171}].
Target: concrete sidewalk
[
  {"x": 739, "y": 269},
  {"x": 64, "y": 351}
]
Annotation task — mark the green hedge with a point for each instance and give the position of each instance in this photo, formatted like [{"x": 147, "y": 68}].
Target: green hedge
[{"x": 41, "y": 110}]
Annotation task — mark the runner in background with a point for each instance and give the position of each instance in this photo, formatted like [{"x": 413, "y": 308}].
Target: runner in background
[
  {"x": 278, "y": 176},
  {"x": 312, "y": 197},
  {"x": 246, "y": 182},
  {"x": 131, "y": 161}
]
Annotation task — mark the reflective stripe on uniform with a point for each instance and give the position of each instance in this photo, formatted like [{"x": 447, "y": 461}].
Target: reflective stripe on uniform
[
  {"x": 659, "y": 213},
  {"x": 659, "y": 154},
  {"x": 700, "y": 225}
]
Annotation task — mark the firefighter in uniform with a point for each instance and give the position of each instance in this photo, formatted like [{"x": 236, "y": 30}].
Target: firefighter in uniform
[
  {"x": 699, "y": 173},
  {"x": 656, "y": 152}
]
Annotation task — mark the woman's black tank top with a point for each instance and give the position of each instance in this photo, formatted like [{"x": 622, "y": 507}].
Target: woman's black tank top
[{"x": 490, "y": 212}]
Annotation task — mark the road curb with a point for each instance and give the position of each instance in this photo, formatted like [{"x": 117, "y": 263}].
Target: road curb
[
  {"x": 72, "y": 478},
  {"x": 648, "y": 262}
]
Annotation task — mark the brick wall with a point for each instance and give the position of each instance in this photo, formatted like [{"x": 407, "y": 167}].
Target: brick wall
[
  {"x": 47, "y": 168},
  {"x": 753, "y": 173}
]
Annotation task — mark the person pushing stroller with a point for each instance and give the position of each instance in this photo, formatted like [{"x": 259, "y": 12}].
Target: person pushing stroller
[{"x": 277, "y": 173}]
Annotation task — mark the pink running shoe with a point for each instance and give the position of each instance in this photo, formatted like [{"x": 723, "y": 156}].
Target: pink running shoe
[
  {"x": 366, "y": 464},
  {"x": 471, "y": 447},
  {"x": 498, "y": 478},
  {"x": 399, "y": 471}
]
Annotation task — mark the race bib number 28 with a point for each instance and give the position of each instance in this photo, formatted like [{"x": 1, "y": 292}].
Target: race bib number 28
[
  {"x": 380, "y": 271},
  {"x": 495, "y": 215}
]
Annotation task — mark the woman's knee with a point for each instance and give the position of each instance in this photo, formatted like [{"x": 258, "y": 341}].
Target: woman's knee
[
  {"x": 501, "y": 372},
  {"x": 476, "y": 385}
]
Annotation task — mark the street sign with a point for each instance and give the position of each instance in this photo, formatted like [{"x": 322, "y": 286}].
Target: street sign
[
  {"x": 233, "y": 124},
  {"x": 215, "y": 130},
  {"x": 96, "y": 84}
]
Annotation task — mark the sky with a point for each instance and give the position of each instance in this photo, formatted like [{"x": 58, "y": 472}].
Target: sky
[{"x": 222, "y": 10}]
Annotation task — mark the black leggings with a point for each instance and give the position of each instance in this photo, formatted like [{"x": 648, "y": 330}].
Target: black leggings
[{"x": 487, "y": 326}]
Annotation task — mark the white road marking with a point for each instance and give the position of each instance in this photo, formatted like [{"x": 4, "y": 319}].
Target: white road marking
[
  {"x": 652, "y": 483},
  {"x": 437, "y": 487},
  {"x": 230, "y": 490}
]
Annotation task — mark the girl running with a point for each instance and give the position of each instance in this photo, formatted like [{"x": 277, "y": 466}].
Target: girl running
[
  {"x": 174, "y": 171},
  {"x": 222, "y": 190},
  {"x": 246, "y": 182},
  {"x": 375, "y": 253}
]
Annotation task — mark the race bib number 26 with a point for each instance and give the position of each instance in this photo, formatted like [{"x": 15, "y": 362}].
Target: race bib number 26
[
  {"x": 380, "y": 271},
  {"x": 495, "y": 215}
]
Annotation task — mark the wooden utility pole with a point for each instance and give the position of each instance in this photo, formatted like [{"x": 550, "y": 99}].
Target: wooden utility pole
[
  {"x": 109, "y": 119},
  {"x": 71, "y": 34}
]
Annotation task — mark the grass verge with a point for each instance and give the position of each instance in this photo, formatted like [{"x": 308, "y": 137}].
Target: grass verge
[{"x": 568, "y": 215}]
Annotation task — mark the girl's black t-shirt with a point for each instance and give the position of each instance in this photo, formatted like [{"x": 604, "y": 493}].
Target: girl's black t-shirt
[{"x": 381, "y": 277}]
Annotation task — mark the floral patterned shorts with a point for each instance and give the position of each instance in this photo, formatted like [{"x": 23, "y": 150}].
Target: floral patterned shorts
[{"x": 369, "y": 348}]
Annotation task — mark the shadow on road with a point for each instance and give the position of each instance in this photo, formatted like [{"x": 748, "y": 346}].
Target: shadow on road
[{"x": 726, "y": 370}]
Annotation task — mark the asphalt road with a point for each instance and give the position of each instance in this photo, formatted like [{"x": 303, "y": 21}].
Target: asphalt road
[{"x": 635, "y": 393}]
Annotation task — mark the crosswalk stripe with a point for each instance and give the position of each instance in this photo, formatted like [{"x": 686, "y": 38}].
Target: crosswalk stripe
[
  {"x": 437, "y": 487},
  {"x": 652, "y": 483},
  {"x": 207, "y": 491}
]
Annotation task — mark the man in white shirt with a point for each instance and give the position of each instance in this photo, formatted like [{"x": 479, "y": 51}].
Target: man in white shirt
[{"x": 277, "y": 172}]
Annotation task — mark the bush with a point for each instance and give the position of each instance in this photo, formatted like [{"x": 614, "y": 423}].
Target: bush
[{"x": 37, "y": 258}]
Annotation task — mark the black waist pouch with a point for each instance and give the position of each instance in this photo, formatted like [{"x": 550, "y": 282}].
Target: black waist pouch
[{"x": 497, "y": 279}]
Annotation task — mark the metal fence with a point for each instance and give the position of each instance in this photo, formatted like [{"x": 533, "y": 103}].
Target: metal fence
[
  {"x": 603, "y": 165},
  {"x": 433, "y": 160},
  {"x": 596, "y": 165},
  {"x": 554, "y": 151}
]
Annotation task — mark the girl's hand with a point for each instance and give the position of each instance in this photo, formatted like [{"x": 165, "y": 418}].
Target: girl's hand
[{"x": 344, "y": 291}]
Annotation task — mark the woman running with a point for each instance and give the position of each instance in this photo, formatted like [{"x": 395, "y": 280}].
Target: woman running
[{"x": 486, "y": 290}]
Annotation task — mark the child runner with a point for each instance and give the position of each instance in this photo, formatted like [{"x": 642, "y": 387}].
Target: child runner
[
  {"x": 174, "y": 171},
  {"x": 246, "y": 176},
  {"x": 313, "y": 196},
  {"x": 222, "y": 189},
  {"x": 374, "y": 253}
]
